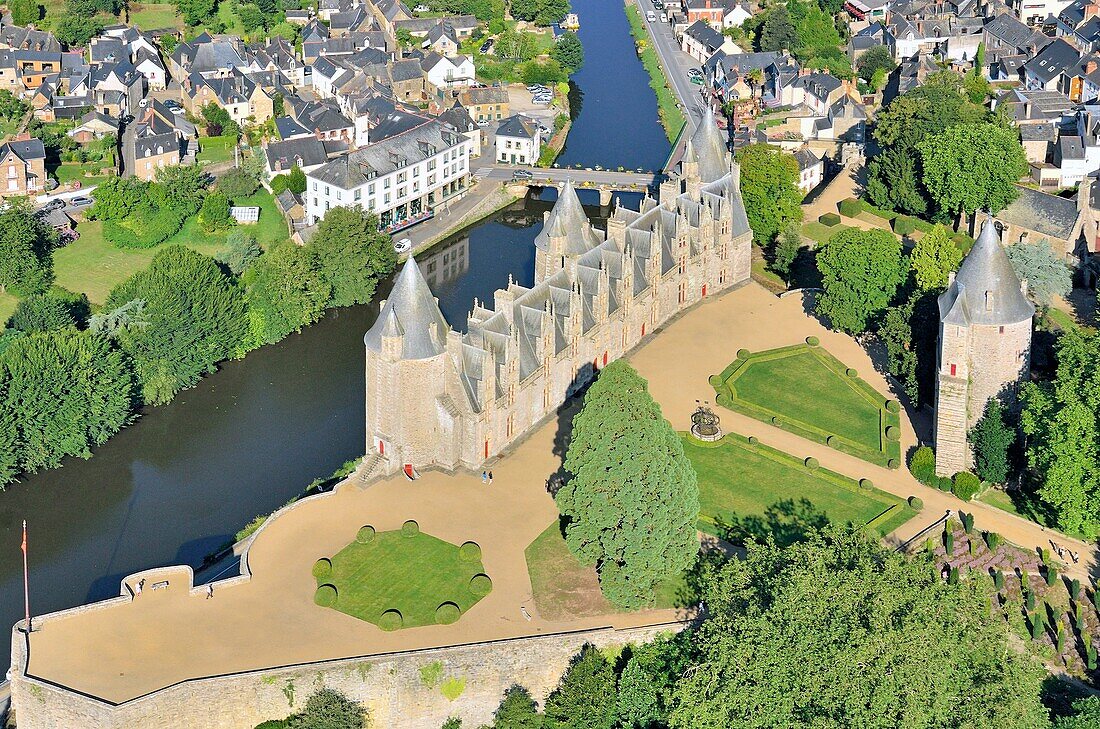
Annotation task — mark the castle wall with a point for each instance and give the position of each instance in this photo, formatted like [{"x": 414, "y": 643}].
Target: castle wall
[{"x": 389, "y": 685}]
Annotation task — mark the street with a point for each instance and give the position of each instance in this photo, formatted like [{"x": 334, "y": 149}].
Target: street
[{"x": 675, "y": 62}]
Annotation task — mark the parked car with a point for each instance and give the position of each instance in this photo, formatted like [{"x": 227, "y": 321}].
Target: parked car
[
  {"x": 53, "y": 205},
  {"x": 80, "y": 201},
  {"x": 173, "y": 104},
  {"x": 533, "y": 88},
  {"x": 486, "y": 46},
  {"x": 522, "y": 175},
  {"x": 651, "y": 16},
  {"x": 402, "y": 246},
  {"x": 542, "y": 100},
  {"x": 483, "y": 122}
]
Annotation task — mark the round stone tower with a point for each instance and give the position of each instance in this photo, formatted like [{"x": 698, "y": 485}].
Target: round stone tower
[{"x": 984, "y": 346}]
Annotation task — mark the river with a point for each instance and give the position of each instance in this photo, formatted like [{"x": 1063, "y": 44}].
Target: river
[{"x": 186, "y": 476}]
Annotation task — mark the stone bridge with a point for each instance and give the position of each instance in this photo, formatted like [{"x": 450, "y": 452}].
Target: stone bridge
[{"x": 605, "y": 182}]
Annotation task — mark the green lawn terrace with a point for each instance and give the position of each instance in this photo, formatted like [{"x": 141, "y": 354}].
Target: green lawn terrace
[
  {"x": 402, "y": 578},
  {"x": 749, "y": 489},
  {"x": 805, "y": 390}
]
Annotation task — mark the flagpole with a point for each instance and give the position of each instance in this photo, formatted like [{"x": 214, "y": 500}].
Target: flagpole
[{"x": 26, "y": 582}]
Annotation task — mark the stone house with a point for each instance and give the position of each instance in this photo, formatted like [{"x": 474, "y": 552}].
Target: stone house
[
  {"x": 488, "y": 103},
  {"x": 22, "y": 167}
]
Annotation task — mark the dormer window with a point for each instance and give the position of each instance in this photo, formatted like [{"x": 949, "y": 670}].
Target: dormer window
[{"x": 989, "y": 301}]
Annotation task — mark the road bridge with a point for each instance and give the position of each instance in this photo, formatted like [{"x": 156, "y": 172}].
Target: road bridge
[{"x": 605, "y": 182}]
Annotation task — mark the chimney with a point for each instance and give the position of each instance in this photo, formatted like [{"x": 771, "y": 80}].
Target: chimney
[{"x": 1091, "y": 66}]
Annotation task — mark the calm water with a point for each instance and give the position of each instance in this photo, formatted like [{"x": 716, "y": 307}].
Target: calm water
[{"x": 181, "y": 481}]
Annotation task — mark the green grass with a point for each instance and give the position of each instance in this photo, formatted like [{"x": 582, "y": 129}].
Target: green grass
[
  {"x": 807, "y": 391},
  {"x": 270, "y": 228},
  {"x": 8, "y": 302},
  {"x": 739, "y": 480},
  {"x": 999, "y": 499},
  {"x": 412, "y": 574},
  {"x": 216, "y": 149},
  {"x": 154, "y": 16},
  {"x": 69, "y": 171},
  {"x": 672, "y": 118},
  {"x": 820, "y": 232}
]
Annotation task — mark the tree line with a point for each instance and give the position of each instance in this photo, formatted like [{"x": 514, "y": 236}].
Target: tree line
[{"x": 70, "y": 378}]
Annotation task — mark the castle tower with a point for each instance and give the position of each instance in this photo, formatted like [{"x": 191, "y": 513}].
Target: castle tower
[
  {"x": 566, "y": 233},
  {"x": 984, "y": 346},
  {"x": 411, "y": 417}
]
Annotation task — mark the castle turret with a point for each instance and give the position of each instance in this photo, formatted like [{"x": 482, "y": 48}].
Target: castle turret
[
  {"x": 566, "y": 233},
  {"x": 984, "y": 346}
]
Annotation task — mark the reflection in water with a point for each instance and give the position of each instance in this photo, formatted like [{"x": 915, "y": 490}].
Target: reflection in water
[{"x": 446, "y": 262}]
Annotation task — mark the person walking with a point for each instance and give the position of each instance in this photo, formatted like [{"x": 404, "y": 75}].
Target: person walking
[
  {"x": 484, "y": 476},
  {"x": 210, "y": 591},
  {"x": 490, "y": 478}
]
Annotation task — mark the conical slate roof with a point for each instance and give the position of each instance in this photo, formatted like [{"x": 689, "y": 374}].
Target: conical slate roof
[
  {"x": 567, "y": 219},
  {"x": 412, "y": 313},
  {"x": 707, "y": 147},
  {"x": 986, "y": 289}
]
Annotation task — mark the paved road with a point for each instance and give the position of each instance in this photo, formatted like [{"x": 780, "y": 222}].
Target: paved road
[
  {"x": 675, "y": 62},
  {"x": 560, "y": 175}
]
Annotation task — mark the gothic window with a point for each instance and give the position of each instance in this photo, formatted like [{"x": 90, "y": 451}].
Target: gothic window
[{"x": 682, "y": 294}]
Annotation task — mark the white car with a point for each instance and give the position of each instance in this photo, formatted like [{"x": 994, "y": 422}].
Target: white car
[
  {"x": 651, "y": 16},
  {"x": 536, "y": 87},
  {"x": 402, "y": 246}
]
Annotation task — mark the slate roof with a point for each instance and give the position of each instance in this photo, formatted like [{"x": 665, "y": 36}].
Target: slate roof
[
  {"x": 389, "y": 155},
  {"x": 285, "y": 155},
  {"x": 567, "y": 220},
  {"x": 412, "y": 313},
  {"x": 156, "y": 144},
  {"x": 707, "y": 147},
  {"x": 26, "y": 150},
  {"x": 710, "y": 38},
  {"x": 1057, "y": 56},
  {"x": 986, "y": 289},
  {"x": 518, "y": 126},
  {"x": 394, "y": 123},
  {"x": 484, "y": 95},
  {"x": 1046, "y": 214},
  {"x": 288, "y": 128},
  {"x": 1010, "y": 31}
]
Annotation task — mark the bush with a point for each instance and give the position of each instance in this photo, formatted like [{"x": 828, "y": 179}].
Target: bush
[
  {"x": 967, "y": 521},
  {"x": 143, "y": 230},
  {"x": 743, "y": 354},
  {"x": 893, "y": 432},
  {"x": 811, "y": 463},
  {"x": 322, "y": 568},
  {"x": 850, "y": 207},
  {"x": 923, "y": 465},
  {"x": 1051, "y": 576},
  {"x": 410, "y": 528},
  {"x": 943, "y": 483},
  {"x": 481, "y": 585},
  {"x": 829, "y": 219},
  {"x": 999, "y": 580},
  {"x": 753, "y": 440},
  {"x": 237, "y": 184},
  {"x": 904, "y": 225},
  {"x": 1074, "y": 588},
  {"x": 391, "y": 620},
  {"x": 325, "y": 595},
  {"x": 892, "y": 464},
  {"x": 893, "y": 406},
  {"x": 851, "y": 372},
  {"x": 916, "y": 503},
  {"x": 447, "y": 613},
  {"x": 365, "y": 535},
  {"x": 966, "y": 485},
  {"x": 866, "y": 483},
  {"x": 830, "y": 440},
  {"x": 949, "y": 542},
  {"x": 992, "y": 540},
  {"x": 469, "y": 552},
  {"x": 813, "y": 341}
]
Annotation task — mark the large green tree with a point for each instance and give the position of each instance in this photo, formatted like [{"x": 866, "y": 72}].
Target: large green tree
[
  {"x": 840, "y": 631},
  {"x": 25, "y": 12},
  {"x": 1086, "y": 715},
  {"x": 992, "y": 439},
  {"x": 352, "y": 254},
  {"x": 1046, "y": 274},
  {"x": 194, "y": 317},
  {"x": 585, "y": 697},
  {"x": 769, "y": 186},
  {"x": 860, "y": 273},
  {"x": 568, "y": 51},
  {"x": 517, "y": 711},
  {"x": 873, "y": 60},
  {"x": 286, "y": 290},
  {"x": 777, "y": 33},
  {"x": 26, "y": 263},
  {"x": 972, "y": 167},
  {"x": 632, "y": 501},
  {"x": 42, "y": 313},
  {"x": 934, "y": 258}
]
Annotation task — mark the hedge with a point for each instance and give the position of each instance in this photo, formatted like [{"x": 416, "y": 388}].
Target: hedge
[
  {"x": 886, "y": 215},
  {"x": 966, "y": 485},
  {"x": 850, "y": 207},
  {"x": 904, "y": 225},
  {"x": 829, "y": 219},
  {"x": 893, "y": 406}
]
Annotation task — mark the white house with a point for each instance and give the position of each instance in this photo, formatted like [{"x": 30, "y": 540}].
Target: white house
[
  {"x": 811, "y": 170},
  {"x": 518, "y": 141},
  {"x": 448, "y": 73},
  {"x": 402, "y": 179},
  {"x": 735, "y": 15},
  {"x": 700, "y": 41}
]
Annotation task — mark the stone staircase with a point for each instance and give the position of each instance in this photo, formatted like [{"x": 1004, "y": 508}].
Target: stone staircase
[{"x": 370, "y": 468}]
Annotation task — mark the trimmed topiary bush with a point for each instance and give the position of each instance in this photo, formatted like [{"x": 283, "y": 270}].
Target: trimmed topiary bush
[
  {"x": 866, "y": 483},
  {"x": 829, "y": 219},
  {"x": 447, "y": 613},
  {"x": 850, "y": 207},
  {"x": 410, "y": 528},
  {"x": 753, "y": 440},
  {"x": 743, "y": 354},
  {"x": 943, "y": 483},
  {"x": 915, "y": 503},
  {"x": 893, "y": 432},
  {"x": 851, "y": 372},
  {"x": 999, "y": 580},
  {"x": 830, "y": 440},
  {"x": 813, "y": 341},
  {"x": 923, "y": 465},
  {"x": 904, "y": 225},
  {"x": 775, "y": 420},
  {"x": 365, "y": 535},
  {"x": 893, "y": 406},
  {"x": 469, "y": 552},
  {"x": 481, "y": 585},
  {"x": 811, "y": 463},
  {"x": 325, "y": 595},
  {"x": 391, "y": 620},
  {"x": 893, "y": 463},
  {"x": 322, "y": 568},
  {"x": 992, "y": 540},
  {"x": 965, "y": 485},
  {"x": 715, "y": 381},
  {"x": 1051, "y": 576}
]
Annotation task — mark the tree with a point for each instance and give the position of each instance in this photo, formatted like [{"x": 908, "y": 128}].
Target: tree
[
  {"x": 977, "y": 87},
  {"x": 632, "y": 500},
  {"x": 840, "y": 631},
  {"x": 1086, "y": 715},
  {"x": 218, "y": 121},
  {"x": 240, "y": 251},
  {"x": 215, "y": 212},
  {"x": 542, "y": 72},
  {"x": 237, "y": 184},
  {"x": 24, "y": 12},
  {"x": 295, "y": 181},
  {"x": 288, "y": 31},
  {"x": 329, "y": 709},
  {"x": 11, "y": 106},
  {"x": 769, "y": 186},
  {"x": 934, "y": 258},
  {"x": 42, "y": 313},
  {"x": 26, "y": 264},
  {"x": 972, "y": 167},
  {"x": 896, "y": 334},
  {"x": 818, "y": 39},
  {"x": 195, "y": 11},
  {"x": 180, "y": 187},
  {"x": 195, "y": 317},
  {"x": 1046, "y": 274},
  {"x": 65, "y": 391},
  {"x": 786, "y": 248},
  {"x": 861, "y": 271},
  {"x": 517, "y": 711},
  {"x": 286, "y": 290},
  {"x": 585, "y": 698},
  {"x": 252, "y": 18},
  {"x": 992, "y": 439},
  {"x": 777, "y": 32},
  {"x": 568, "y": 51},
  {"x": 894, "y": 181},
  {"x": 117, "y": 197},
  {"x": 873, "y": 60},
  {"x": 648, "y": 682},
  {"x": 76, "y": 30},
  {"x": 352, "y": 254}
]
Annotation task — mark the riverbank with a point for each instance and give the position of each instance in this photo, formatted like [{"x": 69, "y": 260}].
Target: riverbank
[
  {"x": 672, "y": 118},
  {"x": 472, "y": 209}
]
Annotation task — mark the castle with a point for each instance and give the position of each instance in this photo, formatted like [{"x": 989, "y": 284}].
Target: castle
[
  {"x": 435, "y": 397},
  {"x": 984, "y": 346}
]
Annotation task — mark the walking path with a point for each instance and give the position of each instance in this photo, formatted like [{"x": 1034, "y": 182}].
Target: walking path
[{"x": 132, "y": 647}]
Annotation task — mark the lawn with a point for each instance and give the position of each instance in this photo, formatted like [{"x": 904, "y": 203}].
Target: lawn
[
  {"x": 270, "y": 228},
  {"x": 564, "y": 588},
  {"x": 69, "y": 171},
  {"x": 807, "y": 391},
  {"x": 767, "y": 491},
  {"x": 216, "y": 149},
  {"x": 155, "y": 16},
  {"x": 407, "y": 571},
  {"x": 7, "y": 307},
  {"x": 672, "y": 118}
]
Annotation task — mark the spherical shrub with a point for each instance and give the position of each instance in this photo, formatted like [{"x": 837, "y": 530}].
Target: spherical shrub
[
  {"x": 722, "y": 400},
  {"x": 811, "y": 463},
  {"x": 851, "y": 372},
  {"x": 325, "y": 595},
  {"x": 775, "y": 420},
  {"x": 480, "y": 585},
  {"x": 923, "y": 465},
  {"x": 391, "y": 620},
  {"x": 893, "y": 432},
  {"x": 469, "y": 552},
  {"x": 365, "y": 535},
  {"x": 410, "y": 529},
  {"x": 715, "y": 381},
  {"x": 322, "y": 568},
  {"x": 743, "y": 354},
  {"x": 813, "y": 341},
  {"x": 866, "y": 483},
  {"x": 893, "y": 463},
  {"x": 447, "y": 613},
  {"x": 916, "y": 503},
  {"x": 893, "y": 406},
  {"x": 943, "y": 483},
  {"x": 753, "y": 440},
  {"x": 966, "y": 485}
]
